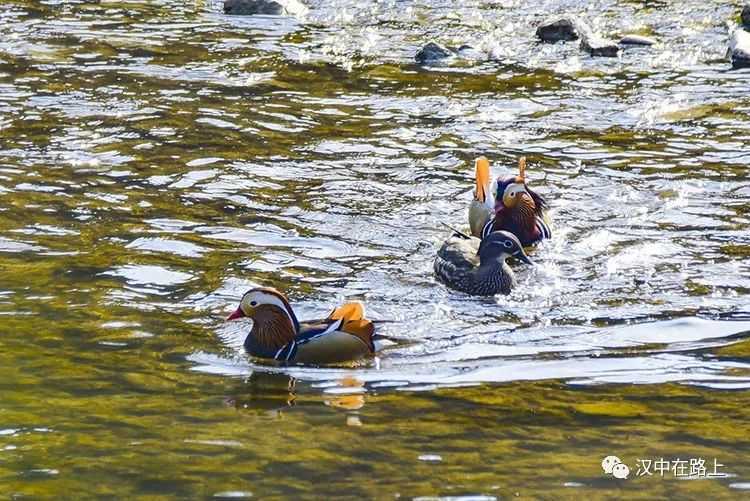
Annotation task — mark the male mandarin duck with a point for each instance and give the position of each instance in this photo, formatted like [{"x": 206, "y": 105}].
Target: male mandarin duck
[
  {"x": 276, "y": 333},
  {"x": 507, "y": 204},
  {"x": 478, "y": 267},
  {"x": 482, "y": 207}
]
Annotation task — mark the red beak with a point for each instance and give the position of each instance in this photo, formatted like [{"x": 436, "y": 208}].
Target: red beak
[{"x": 237, "y": 314}]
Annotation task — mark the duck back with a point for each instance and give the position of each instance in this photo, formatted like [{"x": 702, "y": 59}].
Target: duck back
[{"x": 457, "y": 265}]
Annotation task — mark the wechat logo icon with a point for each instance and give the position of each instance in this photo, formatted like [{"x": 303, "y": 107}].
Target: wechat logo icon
[{"x": 613, "y": 466}]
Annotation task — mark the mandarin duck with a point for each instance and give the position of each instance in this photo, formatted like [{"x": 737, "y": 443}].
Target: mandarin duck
[
  {"x": 342, "y": 336},
  {"x": 517, "y": 208},
  {"x": 478, "y": 267},
  {"x": 482, "y": 207}
]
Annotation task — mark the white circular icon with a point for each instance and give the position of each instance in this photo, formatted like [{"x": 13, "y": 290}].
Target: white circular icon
[
  {"x": 620, "y": 470},
  {"x": 609, "y": 462}
]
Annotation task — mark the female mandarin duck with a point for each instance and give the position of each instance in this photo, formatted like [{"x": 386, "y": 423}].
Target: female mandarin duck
[
  {"x": 478, "y": 267},
  {"x": 507, "y": 204},
  {"x": 276, "y": 333}
]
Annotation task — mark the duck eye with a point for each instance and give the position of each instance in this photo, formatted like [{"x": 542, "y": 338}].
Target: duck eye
[
  {"x": 508, "y": 244},
  {"x": 253, "y": 303}
]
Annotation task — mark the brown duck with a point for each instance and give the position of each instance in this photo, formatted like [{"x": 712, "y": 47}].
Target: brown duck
[
  {"x": 508, "y": 204},
  {"x": 343, "y": 335}
]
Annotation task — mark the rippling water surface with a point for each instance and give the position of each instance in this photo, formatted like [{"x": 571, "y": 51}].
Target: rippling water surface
[{"x": 158, "y": 158}]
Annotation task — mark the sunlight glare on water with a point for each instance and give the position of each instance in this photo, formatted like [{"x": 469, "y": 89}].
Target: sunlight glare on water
[{"x": 158, "y": 159}]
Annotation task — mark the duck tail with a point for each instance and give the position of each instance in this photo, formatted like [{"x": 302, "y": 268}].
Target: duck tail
[
  {"x": 457, "y": 232},
  {"x": 380, "y": 342}
]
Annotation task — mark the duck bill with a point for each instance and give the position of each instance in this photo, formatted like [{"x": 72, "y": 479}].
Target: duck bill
[
  {"x": 237, "y": 314},
  {"x": 523, "y": 257},
  {"x": 482, "y": 178}
]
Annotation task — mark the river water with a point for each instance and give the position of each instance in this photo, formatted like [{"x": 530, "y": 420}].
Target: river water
[{"x": 158, "y": 158}]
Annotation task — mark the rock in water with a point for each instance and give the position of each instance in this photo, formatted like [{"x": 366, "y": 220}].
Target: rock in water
[
  {"x": 252, "y": 7},
  {"x": 263, "y": 7},
  {"x": 746, "y": 16},
  {"x": 597, "y": 45},
  {"x": 469, "y": 52},
  {"x": 636, "y": 40},
  {"x": 433, "y": 52},
  {"x": 739, "y": 49},
  {"x": 562, "y": 28}
]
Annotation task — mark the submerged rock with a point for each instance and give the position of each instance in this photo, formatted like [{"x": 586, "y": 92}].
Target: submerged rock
[
  {"x": 433, "y": 52},
  {"x": 745, "y": 16},
  {"x": 636, "y": 40},
  {"x": 469, "y": 52},
  {"x": 739, "y": 49},
  {"x": 569, "y": 28},
  {"x": 597, "y": 45},
  {"x": 263, "y": 7},
  {"x": 561, "y": 28}
]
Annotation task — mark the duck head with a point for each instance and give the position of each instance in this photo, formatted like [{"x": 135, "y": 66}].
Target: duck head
[
  {"x": 513, "y": 193},
  {"x": 500, "y": 245},
  {"x": 486, "y": 188},
  {"x": 274, "y": 321}
]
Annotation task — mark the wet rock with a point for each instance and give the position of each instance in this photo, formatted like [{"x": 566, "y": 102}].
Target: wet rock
[
  {"x": 562, "y": 28},
  {"x": 739, "y": 49},
  {"x": 469, "y": 52},
  {"x": 263, "y": 7},
  {"x": 597, "y": 45},
  {"x": 252, "y": 7},
  {"x": 434, "y": 52},
  {"x": 636, "y": 40},
  {"x": 745, "y": 16}
]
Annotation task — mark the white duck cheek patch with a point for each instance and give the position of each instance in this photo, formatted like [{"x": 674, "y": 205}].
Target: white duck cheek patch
[
  {"x": 513, "y": 193},
  {"x": 261, "y": 298}
]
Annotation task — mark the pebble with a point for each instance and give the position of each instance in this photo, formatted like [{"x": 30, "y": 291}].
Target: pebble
[
  {"x": 555, "y": 30},
  {"x": 599, "y": 46},
  {"x": 263, "y": 7},
  {"x": 739, "y": 49},
  {"x": 433, "y": 52}
]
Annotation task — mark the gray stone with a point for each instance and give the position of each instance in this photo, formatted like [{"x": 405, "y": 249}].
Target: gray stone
[
  {"x": 636, "y": 40},
  {"x": 745, "y": 16},
  {"x": 739, "y": 49},
  {"x": 263, "y": 7},
  {"x": 434, "y": 52},
  {"x": 253, "y": 7},
  {"x": 469, "y": 52},
  {"x": 561, "y": 28},
  {"x": 597, "y": 45}
]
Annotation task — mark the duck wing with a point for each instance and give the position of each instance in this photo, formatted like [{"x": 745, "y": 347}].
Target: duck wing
[
  {"x": 543, "y": 227},
  {"x": 342, "y": 336},
  {"x": 479, "y": 214},
  {"x": 456, "y": 258},
  {"x": 354, "y": 322}
]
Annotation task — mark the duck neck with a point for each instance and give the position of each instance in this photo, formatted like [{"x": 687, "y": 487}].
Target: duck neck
[
  {"x": 497, "y": 276},
  {"x": 272, "y": 330},
  {"x": 524, "y": 217}
]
